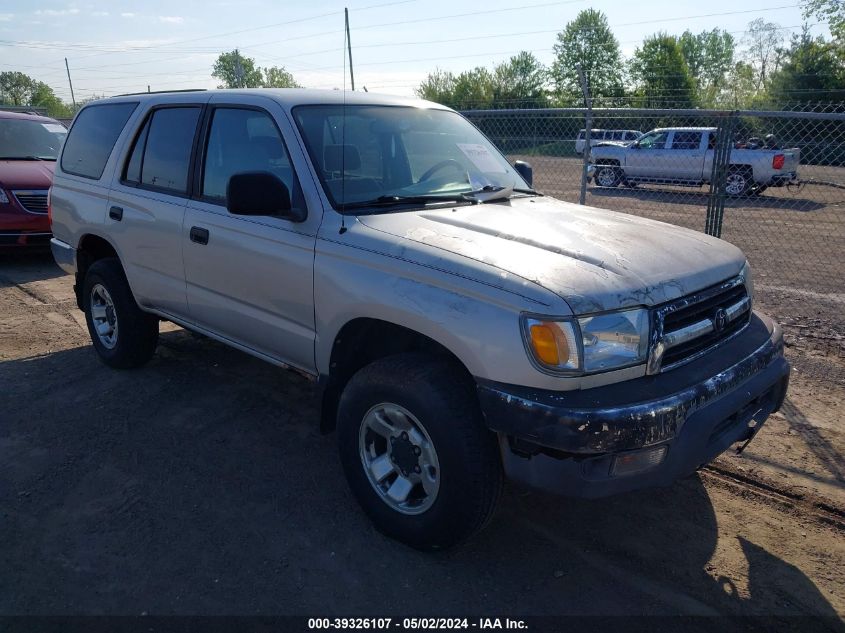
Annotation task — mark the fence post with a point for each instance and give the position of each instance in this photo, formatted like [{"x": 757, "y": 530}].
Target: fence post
[
  {"x": 588, "y": 123},
  {"x": 719, "y": 174}
]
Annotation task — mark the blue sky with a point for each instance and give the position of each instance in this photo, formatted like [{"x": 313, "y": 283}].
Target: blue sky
[{"x": 123, "y": 46}]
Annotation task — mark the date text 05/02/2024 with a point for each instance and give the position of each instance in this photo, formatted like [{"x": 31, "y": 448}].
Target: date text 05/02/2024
[{"x": 416, "y": 623}]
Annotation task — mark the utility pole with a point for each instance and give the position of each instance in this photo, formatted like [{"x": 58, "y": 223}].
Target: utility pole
[
  {"x": 588, "y": 123},
  {"x": 70, "y": 83},
  {"x": 239, "y": 70},
  {"x": 349, "y": 48}
]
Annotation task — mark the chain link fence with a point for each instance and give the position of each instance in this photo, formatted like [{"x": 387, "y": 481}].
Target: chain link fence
[{"x": 771, "y": 182}]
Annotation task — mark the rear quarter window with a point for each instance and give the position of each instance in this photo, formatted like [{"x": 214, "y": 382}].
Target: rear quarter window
[{"x": 92, "y": 137}]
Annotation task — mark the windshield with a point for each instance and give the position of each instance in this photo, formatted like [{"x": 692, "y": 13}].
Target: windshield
[
  {"x": 653, "y": 140},
  {"x": 398, "y": 152},
  {"x": 24, "y": 139}
]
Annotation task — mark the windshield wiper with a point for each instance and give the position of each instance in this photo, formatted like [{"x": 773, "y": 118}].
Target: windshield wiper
[
  {"x": 391, "y": 201},
  {"x": 532, "y": 192},
  {"x": 476, "y": 196},
  {"x": 24, "y": 158}
]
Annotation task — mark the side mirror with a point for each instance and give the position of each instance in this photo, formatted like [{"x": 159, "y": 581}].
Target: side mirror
[
  {"x": 260, "y": 193},
  {"x": 525, "y": 170}
]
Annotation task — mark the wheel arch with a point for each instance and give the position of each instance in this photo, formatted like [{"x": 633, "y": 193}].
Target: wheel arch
[
  {"x": 363, "y": 340},
  {"x": 743, "y": 167},
  {"x": 91, "y": 248}
]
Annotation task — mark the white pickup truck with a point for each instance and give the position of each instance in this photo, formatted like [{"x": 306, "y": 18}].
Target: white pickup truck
[{"x": 684, "y": 156}]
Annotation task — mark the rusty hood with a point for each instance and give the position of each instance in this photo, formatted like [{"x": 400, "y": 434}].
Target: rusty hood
[{"x": 592, "y": 258}]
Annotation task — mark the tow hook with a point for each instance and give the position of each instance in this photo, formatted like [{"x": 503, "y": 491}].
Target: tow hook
[{"x": 754, "y": 425}]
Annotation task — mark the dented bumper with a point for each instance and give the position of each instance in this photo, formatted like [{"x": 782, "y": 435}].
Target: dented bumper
[{"x": 572, "y": 442}]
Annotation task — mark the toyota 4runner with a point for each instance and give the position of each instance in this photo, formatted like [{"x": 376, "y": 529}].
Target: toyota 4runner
[{"x": 462, "y": 325}]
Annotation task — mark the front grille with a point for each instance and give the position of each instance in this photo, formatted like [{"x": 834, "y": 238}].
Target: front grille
[
  {"x": 32, "y": 201},
  {"x": 694, "y": 320}
]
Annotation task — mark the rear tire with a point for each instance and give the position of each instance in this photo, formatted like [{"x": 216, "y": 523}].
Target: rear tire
[
  {"x": 123, "y": 335},
  {"x": 738, "y": 182},
  {"x": 435, "y": 403},
  {"x": 607, "y": 176}
]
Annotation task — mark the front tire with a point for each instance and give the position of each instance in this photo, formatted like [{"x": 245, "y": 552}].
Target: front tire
[
  {"x": 607, "y": 176},
  {"x": 123, "y": 335},
  {"x": 416, "y": 452}
]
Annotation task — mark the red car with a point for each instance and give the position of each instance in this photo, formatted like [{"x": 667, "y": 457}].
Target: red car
[{"x": 29, "y": 146}]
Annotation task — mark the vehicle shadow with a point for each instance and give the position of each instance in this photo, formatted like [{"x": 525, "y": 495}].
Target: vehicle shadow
[
  {"x": 200, "y": 484},
  {"x": 21, "y": 265},
  {"x": 699, "y": 198},
  {"x": 824, "y": 451}
]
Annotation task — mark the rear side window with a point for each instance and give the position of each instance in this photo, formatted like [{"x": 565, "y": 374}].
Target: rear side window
[
  {"x": 686, "y": 140},
  {"x": 161, "y": 155},
  {"x": 92, "y": 137}
]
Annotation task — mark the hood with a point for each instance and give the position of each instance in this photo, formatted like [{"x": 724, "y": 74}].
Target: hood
[
  {"x": 592, "y": 258},
  {"x": 26, "y": 174},
  {"x": 613, "y": 144}
]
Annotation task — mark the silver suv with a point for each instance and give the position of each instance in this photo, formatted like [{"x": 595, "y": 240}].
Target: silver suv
[{"x": 462, "y": 326}]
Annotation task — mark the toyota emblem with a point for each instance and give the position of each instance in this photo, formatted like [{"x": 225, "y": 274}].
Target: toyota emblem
[{"x": 720, "y": 319}]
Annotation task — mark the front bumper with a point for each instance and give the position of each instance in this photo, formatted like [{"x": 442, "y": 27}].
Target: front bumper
[
  {"x": 568, "y": 442},
  {"x": 19, "y": 227}
]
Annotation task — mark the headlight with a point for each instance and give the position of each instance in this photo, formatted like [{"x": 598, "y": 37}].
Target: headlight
[
  {"x": 4, "y": 199},
  {"x": 613, "y": 340},
  {"x": 588, "y": 344},
  {"x": 748, "y": 280}
]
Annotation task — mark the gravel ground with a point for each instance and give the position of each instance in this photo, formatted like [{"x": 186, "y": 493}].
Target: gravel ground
[{"x": 200, "y": 484}]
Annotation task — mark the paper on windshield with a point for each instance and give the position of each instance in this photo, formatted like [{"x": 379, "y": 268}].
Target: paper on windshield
[
  {"x": 482, "y": 158},
  {"x": 55, "y": 128}
]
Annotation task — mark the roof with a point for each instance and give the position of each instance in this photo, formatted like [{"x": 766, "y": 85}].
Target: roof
[
  {"x": 8, "y": 114},
  {"x": 289, "y": 97},
  {"x": 686, "y": 129}
]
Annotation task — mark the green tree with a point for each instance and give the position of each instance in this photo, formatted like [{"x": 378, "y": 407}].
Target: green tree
[
  {"x": 473, "y": 89},
  {"x": 709, "y": 56},
  {"x": 587, "y": 41},
  {"x": 15, "y": 88},
  {"x": 661, "y": 76},
  {"x": 520, "y": 82},
  {"x": 763, "y": 41},
  {"x": 739, "y": 90},
  {"x": 278, "y": 77},
  {"x": 811, "y": 71},
  {"x": 438, "y": 86},
  {"x": 830, "y": 11},
  {"x": 237, "y": 71},
  {"x": 42, "y": 96}
]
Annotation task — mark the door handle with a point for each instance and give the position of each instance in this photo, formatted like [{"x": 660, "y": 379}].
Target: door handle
[
  {"x": 199, "y": 235},
  {"x": 116, "y": 213}
]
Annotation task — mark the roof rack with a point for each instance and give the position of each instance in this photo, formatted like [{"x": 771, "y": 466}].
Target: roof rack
[{"x": 159, "y": 92}]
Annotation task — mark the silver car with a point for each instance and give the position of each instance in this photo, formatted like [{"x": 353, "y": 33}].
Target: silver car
[{"x": 462, "y": 326}]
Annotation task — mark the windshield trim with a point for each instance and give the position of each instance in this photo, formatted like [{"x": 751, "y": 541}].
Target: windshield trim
[{"x": 341, "y": 208}]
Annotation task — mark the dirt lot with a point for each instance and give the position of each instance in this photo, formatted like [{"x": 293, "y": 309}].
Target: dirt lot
[{"x": 200, "y": 485}]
